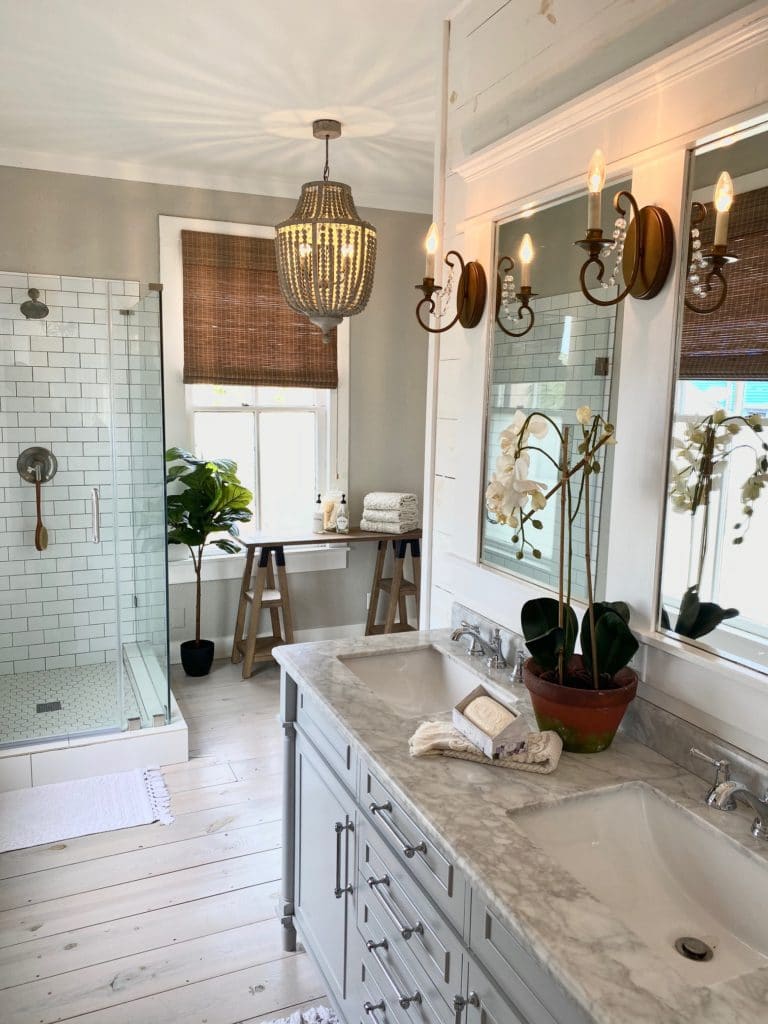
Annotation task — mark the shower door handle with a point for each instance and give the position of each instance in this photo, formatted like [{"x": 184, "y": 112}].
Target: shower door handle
[{"x": 95, "y": 516}]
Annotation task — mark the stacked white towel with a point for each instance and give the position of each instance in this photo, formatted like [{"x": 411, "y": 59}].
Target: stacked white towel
[{"x": 390, "y": 512}]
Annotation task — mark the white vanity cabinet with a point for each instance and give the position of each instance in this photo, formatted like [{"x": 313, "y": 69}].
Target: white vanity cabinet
[
  {"x": 388, "y": 916},
  {"x": 325, "y": 859}
]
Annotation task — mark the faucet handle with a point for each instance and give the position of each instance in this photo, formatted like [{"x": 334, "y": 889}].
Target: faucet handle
[{"x": 722, "y": 770}]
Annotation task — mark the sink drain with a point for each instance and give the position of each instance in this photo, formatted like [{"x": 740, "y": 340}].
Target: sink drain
[{"x": 693, "y": 949}]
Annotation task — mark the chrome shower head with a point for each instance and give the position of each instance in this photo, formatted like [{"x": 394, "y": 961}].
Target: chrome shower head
[{"x": 32, "y": 309}]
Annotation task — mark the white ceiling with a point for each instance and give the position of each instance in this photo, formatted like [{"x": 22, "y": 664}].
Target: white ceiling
[{"x": 222, "y": 94}]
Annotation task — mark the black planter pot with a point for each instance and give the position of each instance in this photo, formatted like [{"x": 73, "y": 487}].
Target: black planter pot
[{"x": 197, "y": 658}]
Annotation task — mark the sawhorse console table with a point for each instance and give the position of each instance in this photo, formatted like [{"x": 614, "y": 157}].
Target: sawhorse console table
[{"x": 267, "y": 588}]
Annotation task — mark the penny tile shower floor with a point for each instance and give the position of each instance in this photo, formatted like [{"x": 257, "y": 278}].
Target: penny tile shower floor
[{"x": 88, "y": 698}]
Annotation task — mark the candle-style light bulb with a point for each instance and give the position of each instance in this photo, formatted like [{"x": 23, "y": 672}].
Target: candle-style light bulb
[
  {"x": 430, "y": 245},
  {"x": 525, "y": 255},
  {"x": 723, "y": 200},
  {"x": 595, "y": 182}
]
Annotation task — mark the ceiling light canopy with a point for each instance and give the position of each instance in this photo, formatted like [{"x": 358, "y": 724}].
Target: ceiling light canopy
[{"x": 325, "y": 253}]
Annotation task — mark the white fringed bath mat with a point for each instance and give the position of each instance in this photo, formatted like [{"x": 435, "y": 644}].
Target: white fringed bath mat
[
  {"x": 315, "y": 1015},
  {"x": 64, "y": 810}
]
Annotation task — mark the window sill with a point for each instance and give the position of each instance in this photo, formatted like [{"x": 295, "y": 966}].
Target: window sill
[{"x": 309, "y": 558}]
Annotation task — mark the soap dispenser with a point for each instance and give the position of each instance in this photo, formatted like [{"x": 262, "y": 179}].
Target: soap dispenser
[
  {"x": 317, "y": 517},
  {"x": 342, "y": 516}
]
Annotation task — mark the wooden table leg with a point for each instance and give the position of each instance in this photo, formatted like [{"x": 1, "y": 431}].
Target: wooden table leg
[
  {"x": 416, "y": 561},
  {"x": 237, "y": 654},
  {"x": 253, "y": 618},
  {"x": 381, "y": 554},
  {"x": 285, "y": 599},
  {"x": 397, "y": 579}
]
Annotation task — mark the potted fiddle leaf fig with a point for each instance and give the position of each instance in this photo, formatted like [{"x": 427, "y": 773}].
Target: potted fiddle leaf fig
[
  {"x": 582, "y": 697},
  {"x": 204, "y": 508}
]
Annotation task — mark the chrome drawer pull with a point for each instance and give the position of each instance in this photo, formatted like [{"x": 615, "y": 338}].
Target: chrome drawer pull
[
  {"x": 404, "y": 1001},
  {"x": 460, "y": 1003},
  {"x": 406, "y": 930},
  {"x": 371, "y": 1008},
  {"x": 339, "y": 828},
  {"x": 408, "y": 849}
]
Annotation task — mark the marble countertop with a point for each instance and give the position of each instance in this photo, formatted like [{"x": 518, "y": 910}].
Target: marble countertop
[{"x": 606, "y": 969}]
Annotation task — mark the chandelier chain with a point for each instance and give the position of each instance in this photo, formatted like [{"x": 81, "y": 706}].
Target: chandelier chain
[{"x": 326, "y": 168}]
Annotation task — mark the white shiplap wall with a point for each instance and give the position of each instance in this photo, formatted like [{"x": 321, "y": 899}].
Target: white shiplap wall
[{"x": 645, "y": 120}]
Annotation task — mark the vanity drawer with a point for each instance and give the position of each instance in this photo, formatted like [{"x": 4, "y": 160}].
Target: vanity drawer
[
  {"x": 526, "y": 985},
  {"x": 434, "y": 872},
  {"x": 317, "y": 724},
  {"x": 376, "y": 1005},
  {"x": 407, "y": 913},
  {"x": 407, "y": 990}
]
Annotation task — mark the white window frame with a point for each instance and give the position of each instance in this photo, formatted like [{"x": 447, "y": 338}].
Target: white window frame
[{"x": 179, "y": 410}]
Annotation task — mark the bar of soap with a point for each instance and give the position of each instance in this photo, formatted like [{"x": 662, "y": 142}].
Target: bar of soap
[{"x": 488, "y": 715}]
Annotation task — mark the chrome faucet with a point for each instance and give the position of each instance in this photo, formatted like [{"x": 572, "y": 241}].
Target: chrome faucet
[
  {"x": 725, "y": 795},
  {"x": 491, "y": 649},
  {"x": 722, "y": 774}
]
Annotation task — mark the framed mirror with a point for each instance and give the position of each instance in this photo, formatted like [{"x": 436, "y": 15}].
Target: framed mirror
[
  {"x": 565, "y": 361},
  {"x": 714, "y": 579}
]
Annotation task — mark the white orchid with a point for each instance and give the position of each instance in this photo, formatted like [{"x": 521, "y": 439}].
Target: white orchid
[
  {"x": 523, "y": 487},
  {"x": 518, "y": 431},
  {"x": 584, "y": 415}
]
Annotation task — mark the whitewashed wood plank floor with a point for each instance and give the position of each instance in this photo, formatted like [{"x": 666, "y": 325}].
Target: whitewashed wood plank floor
[{"x": 158, "y": 924}]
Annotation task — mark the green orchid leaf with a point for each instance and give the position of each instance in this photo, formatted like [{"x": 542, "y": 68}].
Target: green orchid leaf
[
  {"x": 545, "y": 639},
  {"x": 697, "y": 618},
  {"x": 615, "y": 643}
]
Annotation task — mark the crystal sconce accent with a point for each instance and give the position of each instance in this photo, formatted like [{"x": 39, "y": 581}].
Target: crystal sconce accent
[
  {"x": 471, "y": 289},
  {"x": 505, "y": 289},
  {"x": 641, "y": 246},
  {"x": 704, "y": 268}
]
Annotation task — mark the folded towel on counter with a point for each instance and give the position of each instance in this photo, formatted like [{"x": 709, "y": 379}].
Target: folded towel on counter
[
  {"x": 541, "y": 753},
  {"x": 403, "y": 526},
  {"x": 391, "y": 501},
  {"x": 375, "y": 515}
]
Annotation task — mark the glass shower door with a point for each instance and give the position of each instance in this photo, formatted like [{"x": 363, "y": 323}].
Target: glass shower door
[{"x": 141, "y": 541}]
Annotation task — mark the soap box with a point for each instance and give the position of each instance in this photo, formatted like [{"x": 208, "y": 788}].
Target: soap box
[{"x": 505, "y": 742}]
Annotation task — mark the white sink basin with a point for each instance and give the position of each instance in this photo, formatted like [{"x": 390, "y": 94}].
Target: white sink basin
[
  {"x": 663, "y": 873},
  {"x": 417, "y": 682}
]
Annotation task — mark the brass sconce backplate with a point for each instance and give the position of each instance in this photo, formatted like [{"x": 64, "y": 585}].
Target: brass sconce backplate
[
  {"x": 657, "y": 249},
  {"x": 470, "y": 294}
]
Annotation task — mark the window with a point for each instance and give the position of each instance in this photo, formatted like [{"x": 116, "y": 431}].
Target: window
[
  {"x": 279, "y": 438},
  {"x": 242, "y": 422}
]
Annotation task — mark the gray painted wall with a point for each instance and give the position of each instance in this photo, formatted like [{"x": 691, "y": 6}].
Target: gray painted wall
[{"x": 77, "y": 225}]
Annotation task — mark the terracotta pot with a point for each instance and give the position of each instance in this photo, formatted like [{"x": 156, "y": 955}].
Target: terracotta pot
[
  {"x": 197, "y": 658},
  {"x": 585, "y": 719}
]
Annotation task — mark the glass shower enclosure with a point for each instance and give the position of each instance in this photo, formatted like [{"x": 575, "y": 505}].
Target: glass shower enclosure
[{"x": 83, "y": 594}]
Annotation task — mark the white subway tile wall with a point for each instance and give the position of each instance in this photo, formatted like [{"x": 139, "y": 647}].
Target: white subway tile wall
[
  {"x": 553, "y": 369},
  {"x": 61, "y": 387}
]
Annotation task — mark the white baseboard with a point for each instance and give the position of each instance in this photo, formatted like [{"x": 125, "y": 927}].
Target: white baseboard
[{"x": 352, "y": 631}]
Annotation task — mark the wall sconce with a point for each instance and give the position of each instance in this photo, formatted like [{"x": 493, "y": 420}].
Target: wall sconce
[
  {"x": 506, "y": 286},
  {"x": 470, "y": 290},
  {"x": 709, "y": 265},
  {"x": 642, "y": 246}
]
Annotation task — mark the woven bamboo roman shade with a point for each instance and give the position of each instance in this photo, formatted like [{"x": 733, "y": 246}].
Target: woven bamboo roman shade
[
  {"x": 732, "y": 343},
  {"x": 238, "y": 328}
]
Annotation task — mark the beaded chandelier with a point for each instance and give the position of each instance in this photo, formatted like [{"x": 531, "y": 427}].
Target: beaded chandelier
[{"x": 325, "y": 253}]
